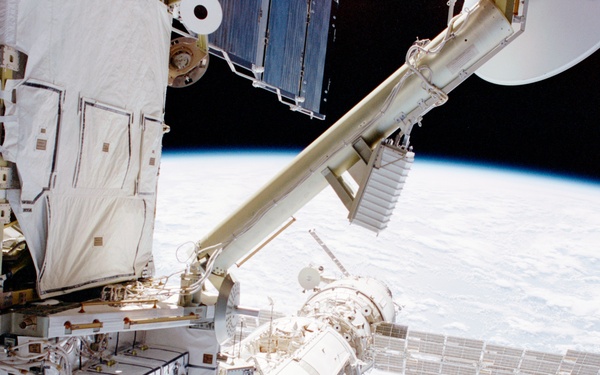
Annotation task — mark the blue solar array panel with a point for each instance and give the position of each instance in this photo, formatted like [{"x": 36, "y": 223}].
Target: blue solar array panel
[
  {"x": 285, "y": 47},
  {"x": 289, "y": 38},
  {"x": 313, "y": 83},
  {"x": 242, "y": 31}
]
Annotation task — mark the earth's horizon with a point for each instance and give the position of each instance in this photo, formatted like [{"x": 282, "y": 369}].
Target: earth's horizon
[{"x": 508, "y": 256}]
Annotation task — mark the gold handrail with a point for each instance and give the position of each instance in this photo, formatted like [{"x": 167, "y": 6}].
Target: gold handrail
[
  {"x": 128, "y": 322},
  {"x": 95, "y": 325}
]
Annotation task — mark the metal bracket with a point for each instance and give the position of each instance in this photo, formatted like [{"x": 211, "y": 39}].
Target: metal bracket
[
  {"x": 12, "y": 60},
  {"x": 342, "y": 190},
  {"x": 9, "y": 58},
  {"x": 5, "y": 212},
  {"x": 6, "y": 178},
  {"x": 362, "y": 149},
  {"x": 294, "y": 103}
]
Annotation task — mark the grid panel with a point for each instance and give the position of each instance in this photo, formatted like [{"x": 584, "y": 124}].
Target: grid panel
[
  {"x": 537, "y": 367},
  {"x": 391, "y": 330},
  {"x": 433, "y": 354},
  {"x": 428, "y": 343},
  {"x": 540, "y": 363},
  {"x": 414, "y": 366},
  {"x": 584, "y": 358},
  {"x": 467, "y": 343},
  {"x": 502, "y": 358},
  {"x": 242, "y": 32},
  {"x": 384, "y": 343},
  {"x": 463, "y": 350},
  {"x": 570, "y": 368},
  {"x": 455, "y": 369},
  {"x": 387, "y": 362},
  {"x": 580, "y": 363}
]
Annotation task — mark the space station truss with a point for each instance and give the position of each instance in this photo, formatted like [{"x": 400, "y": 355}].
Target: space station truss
[
  {"x": 398, "y": 350},
  {"x": 281, "y": 46}
]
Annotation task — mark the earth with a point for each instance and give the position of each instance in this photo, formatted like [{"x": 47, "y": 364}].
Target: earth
[{"x": 503, "y": 255}]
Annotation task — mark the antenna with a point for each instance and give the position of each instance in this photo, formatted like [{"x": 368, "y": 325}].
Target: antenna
[
  {"x": 558, "y": 35},
  {"x": 272, "y": 304},
  {"x": 313, "y": 233}
]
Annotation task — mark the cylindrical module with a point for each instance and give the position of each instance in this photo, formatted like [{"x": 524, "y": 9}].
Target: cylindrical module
[
  {"x": 331, "y": 335},
  {"x": 352, "y": 306}
]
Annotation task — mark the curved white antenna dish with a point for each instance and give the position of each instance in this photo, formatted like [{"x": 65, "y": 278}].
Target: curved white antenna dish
[
  {"x": 309, "y": 278},
  {"x": 558, "y": 34}
]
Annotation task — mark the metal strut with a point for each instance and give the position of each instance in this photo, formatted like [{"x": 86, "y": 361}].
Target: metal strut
[{"x": 330, "y": 253}]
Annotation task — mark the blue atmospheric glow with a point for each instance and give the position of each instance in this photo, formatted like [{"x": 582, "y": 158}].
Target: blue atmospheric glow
[{"x": 439, "y": 161}]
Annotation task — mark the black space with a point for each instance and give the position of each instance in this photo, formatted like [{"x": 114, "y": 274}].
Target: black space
[{"x": 550, "y": 125}]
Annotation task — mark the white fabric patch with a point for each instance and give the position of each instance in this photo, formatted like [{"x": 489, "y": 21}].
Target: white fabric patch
[
  {"x": 39, "y": 123},
  {"x": 100, "y": 248},
  {"x": 150, "y": 155},
  {"x": 8, "y": 22},
  {"x": 105, "y": 151},
  {"x": 79, "y": 163}
]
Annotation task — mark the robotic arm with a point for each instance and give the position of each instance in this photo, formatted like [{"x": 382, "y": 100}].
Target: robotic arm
[{"x": 354, "y": 143}]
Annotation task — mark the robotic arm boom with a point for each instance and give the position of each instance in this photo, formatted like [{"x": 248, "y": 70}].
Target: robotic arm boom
[{"x": 432, "y": 69}]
